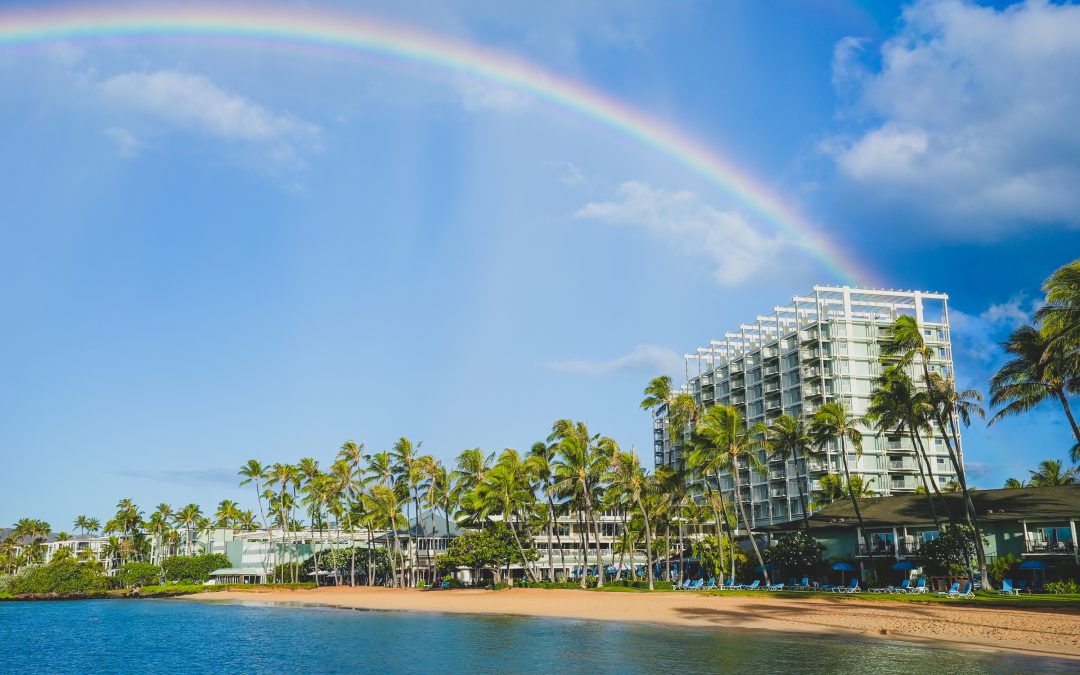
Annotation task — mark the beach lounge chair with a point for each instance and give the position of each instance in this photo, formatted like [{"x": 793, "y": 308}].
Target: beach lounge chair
[
  {"x": 1007, "y": 588},
  {"x": 853, "y": 587},
  {"x": 804, "y": 586},
  {"x": 696, "y": 584},
  {"x": 902, "y": 588},
  {"x": 953, "y": 590},
  {"x": 751, "y": 587},
  {"x": 919, "y": 587},
  {"x": 775, "y": 587},
  {"x": 685, "y": 585},
  {"x": 967, "y": 592},
  {"x": 711, "y": 586},
  {"x": 729, "y": 585}
]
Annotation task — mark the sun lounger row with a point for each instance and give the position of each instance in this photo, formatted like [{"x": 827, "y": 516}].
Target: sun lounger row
[{"x": 904, "y": 587}]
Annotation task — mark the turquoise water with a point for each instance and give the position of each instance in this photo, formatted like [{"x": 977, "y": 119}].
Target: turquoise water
[{"x": 159, "y": 636}]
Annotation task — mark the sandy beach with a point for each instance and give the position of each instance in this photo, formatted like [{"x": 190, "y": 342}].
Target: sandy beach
[{"x": 1052, "y": 632}]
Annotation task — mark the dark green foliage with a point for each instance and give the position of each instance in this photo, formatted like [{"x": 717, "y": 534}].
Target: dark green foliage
[
  {"x": 1002, "y": 567},
  {"x": 140, "y": 574},
  {"x": 796, "y": 553},
  {"x": 61, "y": 576},
  {"x": 491, "y": 548},
  {"x": 193, "y": 568},
  {"x": 341, "y": 562},
  {"x": 1065, "y": 586},
  {"x": 951, "y": 552}
]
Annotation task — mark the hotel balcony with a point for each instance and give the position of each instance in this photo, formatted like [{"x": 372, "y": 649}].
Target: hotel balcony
[
  {"x": 1043, "y": 547},
  {"x": 881, "y": 550}
]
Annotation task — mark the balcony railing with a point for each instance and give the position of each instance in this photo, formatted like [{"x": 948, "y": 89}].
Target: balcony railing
[
  {"x": 1049, "y": 547},
  {"x": 880, "y": 549}
]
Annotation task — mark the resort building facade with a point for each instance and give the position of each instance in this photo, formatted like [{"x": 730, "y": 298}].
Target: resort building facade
[
  {"x": 1027, "y": 523},
  {"x": 823, "y": 347}
]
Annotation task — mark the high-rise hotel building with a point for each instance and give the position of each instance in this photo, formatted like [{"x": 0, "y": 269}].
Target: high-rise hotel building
[{"x": 822, "y": 347}]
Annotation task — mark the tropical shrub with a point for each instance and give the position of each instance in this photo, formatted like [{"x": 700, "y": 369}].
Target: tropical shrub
[
  {"x": 1002, "y": 567},
  {"x": 1065, "y": 586},
  {"x": 193, "y": 568},
  {"x": 341, "y": 562},
  {"x": 491, "y": 548},
  {"x": 140, "y": 574},
  {"x": 795, "y": 553},
  {"x": 951, "y": 552},
  {"x": 61, "y": 576}
]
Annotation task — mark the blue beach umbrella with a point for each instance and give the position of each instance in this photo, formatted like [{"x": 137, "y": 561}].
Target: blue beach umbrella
[
  {"x": 844, "y": 568},
  {"x": 903, "y": 566},
  {"x": 1033, "y": 565}
]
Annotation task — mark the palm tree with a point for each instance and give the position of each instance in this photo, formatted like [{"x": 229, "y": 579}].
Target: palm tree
[
  {"x": 1040, "y": 369},
  {"x": 227, "y": 513},
  {"x": 255, "y": 472},
  {"x": 188, "y": 517},
  {"x": 724, "y": 442},
  {"x": 1060, "y": 315},
  {"x": 1050, "y": 473},
  {"x": 833, "y": 422},
  {"x": 384, "y": 506},
  {"x": 833, "y": 488},
  {"x": 541, "y": 457},
  {"x": 787, "y": 438},
  {"x": 1013, "y": 483},
  {"x": 503, "y": 492},
  {"x": 80, "y": 524},
  {"x": 405, "y": 463},
  {"x": 903, "y": 342},
  {"x": 629, "y": 479},
  {"x": 896, "y": 406},
  {"x": 583, "y": 459}
]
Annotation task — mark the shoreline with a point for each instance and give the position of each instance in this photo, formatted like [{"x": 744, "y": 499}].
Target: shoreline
[{"x": 1032, "y": 632}]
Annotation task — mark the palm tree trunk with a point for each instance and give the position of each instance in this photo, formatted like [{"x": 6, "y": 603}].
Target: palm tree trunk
[
  {"x": 731, "y": 533},
  {"x": 855, "y": 502},
  {"x": 682, "y": 552},
  {"x": 1068, "y": 413},
  {"x": 922, "y": 475},
  {"x": 667, "y": 550},
  {"x": 802, "y": 490},
  {"x": 583, "y": 535},
  {"x": 648, "y": 542},
  {"x": 599, "y": 554},
  {"x": 550, "y": 555},
  {"x": 558, "y": 537},
  {"x": 746, "y": 523}
]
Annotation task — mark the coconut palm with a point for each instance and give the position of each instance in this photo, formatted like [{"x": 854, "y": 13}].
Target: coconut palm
[
  {"x": 225, "y": 517},
  {"x": 1013, "y": 483},
  {"x": 188, "y": 517},
  {"x": 896, "y": 406},
  {"x": 385, "y": 508},
  {"x": 833, "y": 487},
  {"x": 1038, "y": 370},
  {"x": 628, "y": 478},
  {"x": 725, "y": 443},
  {"x": 254, "y": 472},
  {"x": 902, "y": 344},
  {"x": 833, "y": 422},
  {"x": 505, "y": 492},
  {"x": 80, "y": 524},
  {"x": 1051, "y": 472},
  {"x": 788, "y": 438},
  {"x": 582, "y": 460},
  {"x": 540, "y": 460},
  {"x": 1060, "y": 315}
]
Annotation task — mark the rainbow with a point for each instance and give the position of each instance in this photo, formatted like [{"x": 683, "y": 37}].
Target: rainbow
[{"x": 365, "y": 35}]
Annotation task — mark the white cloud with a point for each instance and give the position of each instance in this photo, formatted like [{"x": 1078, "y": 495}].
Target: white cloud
[
  {"x": 972, "y": 116},
  {"x": 568, "y": 173},
  {"x": 975, "y": 337},
  {"x": 736, "y": 249},
  {"x": 643, "y": 359},
  {"x": 194, "y": 102},
  {"x": 477, "y": 95},
  {"x": 127, "y": 145}
]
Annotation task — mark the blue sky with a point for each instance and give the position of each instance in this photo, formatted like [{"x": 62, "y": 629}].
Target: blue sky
[{"x": 212, "y": 252}]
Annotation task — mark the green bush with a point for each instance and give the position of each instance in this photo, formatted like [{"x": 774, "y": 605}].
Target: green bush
[
  {"x": 794, "y": 554},
  {"x": 193, "y": 568},
  {"x": 140, "y": 574},
  {"x": 60, "y": 576},
  {"x": 1063, "y": 587},
  {"x": 1002, "y": 567}
]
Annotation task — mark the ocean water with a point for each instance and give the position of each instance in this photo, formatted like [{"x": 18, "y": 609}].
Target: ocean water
[{"x": 177, "y": 636}]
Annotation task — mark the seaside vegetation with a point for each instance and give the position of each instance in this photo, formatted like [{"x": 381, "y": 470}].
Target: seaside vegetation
[{"x": 509, "y": 499}]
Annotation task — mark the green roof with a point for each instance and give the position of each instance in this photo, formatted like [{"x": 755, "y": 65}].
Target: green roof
[{"x": 1059, "y": 503}]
